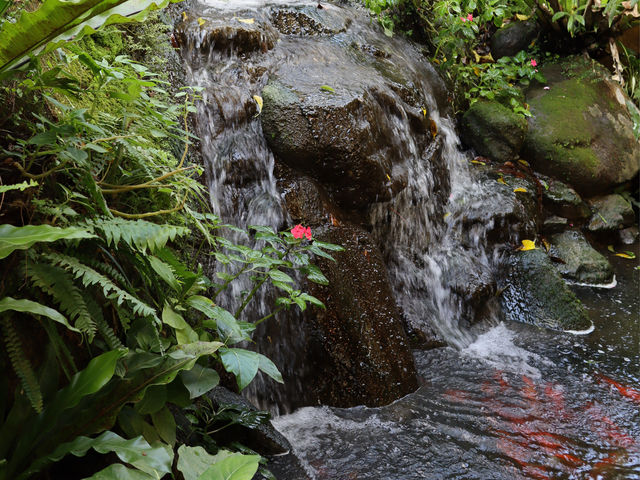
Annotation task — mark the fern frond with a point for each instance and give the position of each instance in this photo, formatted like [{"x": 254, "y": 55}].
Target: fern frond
[
  {"x": 105, "y": 330},
  {"x": 58, "y": 283},
  {"x": 21, "y": 364},
  {"x": 139, "y": 234},
  {"x": 89, "y": 277},
  {"x": 65, "y": 359},
  {"x": 106, "y": 269}
]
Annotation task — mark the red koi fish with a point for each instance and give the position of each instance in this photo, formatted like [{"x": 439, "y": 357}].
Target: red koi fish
[{"x": 627, "y": 392}]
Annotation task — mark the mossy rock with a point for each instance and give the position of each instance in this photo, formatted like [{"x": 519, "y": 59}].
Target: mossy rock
[
  {"x": 537, "y": 294},
  {"x": 493, "y": 130},
  {"x": 512, "y": 38},
  {"x": 562, "y": 200},
  {"x": 581, "y": 129}
]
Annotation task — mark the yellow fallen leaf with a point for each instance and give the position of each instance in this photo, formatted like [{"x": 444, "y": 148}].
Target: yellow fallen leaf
[
  {"x": 629, "y": 255},
  {"x": 524, "y": 162},
  {"x": 546, "y": 245},
  {"x": 502, "y": 181},
  {"x": 201, "y": 21},
  {"x": 522, "y": 18},
  {"x": 476, "y": 71},
  {"x": 424, "y": 112},
  {"x": 611, "y": 249},
  {"x": 527, "y": 245},
  {"x": 184, "y": 16},
  {"x": 258, "y": 100},
  {"x": 388, "y": 177},
  {"x": 478, "y": 162},
  {"x": 520, "y": 189},
  {"x": 248, "y": 21},
  {"x": 433, "y": 127}
]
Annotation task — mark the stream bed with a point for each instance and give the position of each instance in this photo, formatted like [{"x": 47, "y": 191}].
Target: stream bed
[{"x": 518, "y": 403}]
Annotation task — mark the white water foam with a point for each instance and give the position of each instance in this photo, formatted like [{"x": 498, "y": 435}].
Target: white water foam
[{"x": 496, "y": 347}]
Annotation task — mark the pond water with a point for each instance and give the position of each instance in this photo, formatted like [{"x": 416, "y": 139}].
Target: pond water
[{"x": 518, "y": 403}]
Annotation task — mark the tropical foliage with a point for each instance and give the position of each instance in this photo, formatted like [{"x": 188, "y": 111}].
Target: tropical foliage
[
  {"x": 458, "y": 32},
  {"x": 105, "y": 324}
]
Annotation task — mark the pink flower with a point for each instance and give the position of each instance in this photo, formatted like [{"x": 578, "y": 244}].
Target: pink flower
[
  {"x": 547, "y": 88},
  {"x": 299, "y": 231},
  {"x": 463, "y": 19},
  {"x": 470, "y": 17},
  {"x": 534, "y": 63}
]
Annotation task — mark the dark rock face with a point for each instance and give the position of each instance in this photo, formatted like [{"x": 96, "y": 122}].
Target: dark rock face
[
  {"x": 537, "y": 294},
  {"x": 343, "y": 111},
  {"x": 610, "y": 213},
  {"x": 493, "y": 130},
  {"x": 594, "y": 151},
  {"x": 512, "y": 38},
  {"x": 582, "y": 263},
  {"x": 358, "y": 347},
  {"x": 228, "y": 35}
]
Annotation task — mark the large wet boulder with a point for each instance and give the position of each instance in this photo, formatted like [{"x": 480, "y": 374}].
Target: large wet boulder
[
  {"x": 493, "y": 130},
  {"x": 535, "y": 293},
  {"x": 356, "y": 351},
  {"x": 581, "y": 129},
  {"x": 346, "y": 112},
  {"x": 580, "y": 261},
  {"x": 512, "y": 38}
]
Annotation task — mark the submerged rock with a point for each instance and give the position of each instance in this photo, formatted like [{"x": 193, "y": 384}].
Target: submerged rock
[
  {"x": 581, "y": 129},
  {"x": 610, "y": 212},
  {"x": 582, "y": 263},
  {"x": 537, "y": 294},
  {"x": 493, "y": 130}
]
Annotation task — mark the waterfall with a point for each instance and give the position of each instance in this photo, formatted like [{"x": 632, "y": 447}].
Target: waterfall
[{"x": 424, "y": 231}]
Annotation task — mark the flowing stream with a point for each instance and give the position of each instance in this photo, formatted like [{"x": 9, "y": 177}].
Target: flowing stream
[{"x": 503, "y": 401}]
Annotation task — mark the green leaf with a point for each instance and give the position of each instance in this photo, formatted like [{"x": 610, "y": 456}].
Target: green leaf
[
  {"x": 199, "y": 380},
  {"x": 327, "y": 88},
  {"x": 226, "y": 323},
  {"x": 118, "y": 471},
  {"x": 137, "y": 452},
  {"x": 268, "y": 367},
  {"x": 165, "y": 425},
  {"x": 154, "y": 399},
  {"x": 194, "y": 461},
  {"x": 22, "y": 305},
  {"x": 173, "y": 319},
  {"x": 315, "y": 275},
  {"x": 242, "y": 363},
  {"x": 164, "y": 271},
  {"x": 279, "y": 276},
  {"x": 234, "y": 467},
  {"x": 20, "y": 238},
  {"x": 57, "y": 21},
  {"x": 18, "y": 186}
]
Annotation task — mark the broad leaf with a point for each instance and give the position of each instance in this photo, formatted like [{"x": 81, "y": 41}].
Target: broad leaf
[
  {"x": 199, "y": 380},
  {"x": 137, "y": 452},
  {"x": 22, "y": 305},
  {"x": 20, "y": 238},
  {"x": 242, "y": 363},
  {"x": 57, "y": 21},
  {"x": 267, "y": 366},
  {"x": 194, "y": 461},
  {"x": 118, "y": 471},
  {"x": 225, "y": 322},
  {"x": 234, "y": 467}
]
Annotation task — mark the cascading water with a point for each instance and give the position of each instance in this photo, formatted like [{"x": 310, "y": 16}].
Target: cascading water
[{"x": 484, "y": 411}]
